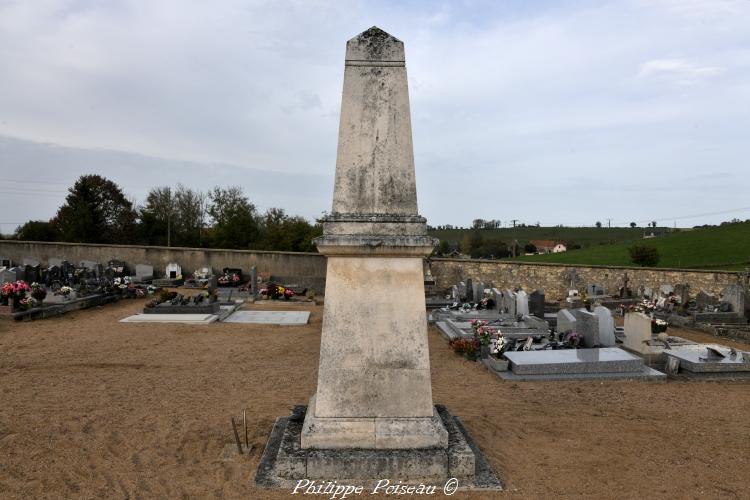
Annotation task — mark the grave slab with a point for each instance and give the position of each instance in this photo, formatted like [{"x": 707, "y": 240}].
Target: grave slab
[
  {"x": 286, "y": 318},
  {"x": 566, "y": 361},
  {"x": 189, "y": 319},
  {"x": 697, "y": 361}
]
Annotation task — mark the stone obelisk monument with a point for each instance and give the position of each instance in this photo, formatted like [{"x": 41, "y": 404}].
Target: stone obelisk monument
[
  {"x": 374, "y": 388},
  {"x": 372, "y": 416}
]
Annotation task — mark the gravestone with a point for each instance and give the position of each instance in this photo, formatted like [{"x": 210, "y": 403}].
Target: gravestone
[
  {"x": 87, "y": 264},
  {"x": 30, "y": 261},
  {"x": 594, "y": 290},
  {"x": 606, "y": 326},
  {"x": 254, "y": 281},
  {"x": 637, "y": 332},
  {"x": 509, "y": 302},
  {"x": 10, "y": 275},
  {"x": 470, "y": 290},
  {"x": 144, "y": 272},
  {"x": 31, "y": 273},
  {"x": 462, "y": 291},
  {"x": 497, "y": 296},
  {"x": 735, "y": 296},
  {"x": 566, "y": 321},
  {"x": 173, "y": 270},
  {"x": 682, "y": 291},
  {"x": 646, "y": 292},
  {"x": 536, "y": 303},
  {"x": 478, "y": 290},
  {"x": 6, "y": 262},
  {"x": 572, "y": 279},
  {"x": 455, "y": 296},
  {"x": 587, "y": 324},
  {"x": 522, "y": 303}
]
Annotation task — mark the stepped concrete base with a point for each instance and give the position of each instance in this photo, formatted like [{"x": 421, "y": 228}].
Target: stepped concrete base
[
  {"x": 372, "y": 433},
  {"x": 167, "y": 308},
  {"x": 285, "y": 462},
  {"x": 569, "y": 361}
]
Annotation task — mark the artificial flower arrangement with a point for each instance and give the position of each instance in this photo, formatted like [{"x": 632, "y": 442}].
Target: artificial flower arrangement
[
  {"x": 658, "y": 326},
  {"x": 482, "y": 332},
  {"x": 465, "y": 347},
  {"x": 38, "y": 291},
  {"x": 274, "y": 291},
  {"x": 14, "y": 291},
  {"x": 65, "y": 291}
]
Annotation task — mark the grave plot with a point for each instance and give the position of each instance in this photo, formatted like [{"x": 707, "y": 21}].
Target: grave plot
[
  {"x": 173, "y": 307},
  {"x": 708, "y": 360},
  {"x": 577, "y": 364},
  {"x": 173, "y": 276}
]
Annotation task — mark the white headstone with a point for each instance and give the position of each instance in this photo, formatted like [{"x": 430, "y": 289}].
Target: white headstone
[{"x": 606, "y": 326}]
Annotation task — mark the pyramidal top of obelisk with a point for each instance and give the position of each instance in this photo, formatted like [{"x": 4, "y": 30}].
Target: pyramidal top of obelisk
[{"x": 375, "y": 158}]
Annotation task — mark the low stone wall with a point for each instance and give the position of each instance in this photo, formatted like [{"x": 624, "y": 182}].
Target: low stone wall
[
  {"x": 309, "y": 269},
  {"x": 555, "y": 278},
  {"x": 305, "y": 269}
]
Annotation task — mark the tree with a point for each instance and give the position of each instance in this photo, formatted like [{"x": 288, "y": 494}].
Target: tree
[
  {"x": 281, "y": 232},
  {"x": 156, "y": 217},
  {"x": 632, "y": 225},
  {"x": 598, "y": 224},
  {"x": 37, "y": 230},
  {"x": 234, "y": 217},
  {"x": 529, "y": 248},
  {"x": 190, "y": 211},
  {"x": 444, "y": 248},
  {"x": 95, "y": 211},
  {"x": 644, "y": 256},
  {"x": 653, "y": 223}
]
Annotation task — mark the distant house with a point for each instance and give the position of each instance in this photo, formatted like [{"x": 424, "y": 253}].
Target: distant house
[{"x": 548, "y": 246}]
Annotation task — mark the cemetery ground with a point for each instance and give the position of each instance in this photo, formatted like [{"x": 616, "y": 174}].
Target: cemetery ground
[{"x": 93, "y": 408}]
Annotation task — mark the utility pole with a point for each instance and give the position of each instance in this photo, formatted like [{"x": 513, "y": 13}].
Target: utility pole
[
  {"x": 608, "y": 223},
  {"x": 514, "y": 222}
]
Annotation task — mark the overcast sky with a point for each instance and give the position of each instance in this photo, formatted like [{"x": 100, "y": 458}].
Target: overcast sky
[{"x": 559, "y": 112}]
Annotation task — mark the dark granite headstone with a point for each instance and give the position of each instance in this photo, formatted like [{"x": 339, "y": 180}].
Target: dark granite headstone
[{"x": 536, "y": 303}]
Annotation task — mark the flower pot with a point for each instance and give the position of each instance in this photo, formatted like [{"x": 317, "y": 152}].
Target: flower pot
[
  {"x": 499, "y": 365},
  {"x": 484, "y": 352}
]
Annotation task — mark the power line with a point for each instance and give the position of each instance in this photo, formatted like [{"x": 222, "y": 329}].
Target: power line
[{"x": 720, "y": 212}]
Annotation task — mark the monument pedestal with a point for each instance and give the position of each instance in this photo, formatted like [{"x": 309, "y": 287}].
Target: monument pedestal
[
  {"x": 285, "y": 462},
  {"x": 373, "y": 432}
]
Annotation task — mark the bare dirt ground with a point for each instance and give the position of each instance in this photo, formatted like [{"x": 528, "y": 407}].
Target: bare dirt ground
[{"x": 93, "y": 408}]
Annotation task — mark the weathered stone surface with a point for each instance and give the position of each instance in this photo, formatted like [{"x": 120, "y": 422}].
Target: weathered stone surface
[
  {"x": 587, "y": 324},
  {"x": 374, "y": 387},
  {"x": 566, "y": 321},
  {"x": 637, "y": 332},
  {"x": 284, "y": 461}
]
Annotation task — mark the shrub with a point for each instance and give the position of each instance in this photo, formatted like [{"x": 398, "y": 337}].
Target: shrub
[{"x": 644, "y": 256}]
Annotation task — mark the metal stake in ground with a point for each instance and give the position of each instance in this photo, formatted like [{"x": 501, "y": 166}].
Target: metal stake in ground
[{"x": 236, "y": 436}]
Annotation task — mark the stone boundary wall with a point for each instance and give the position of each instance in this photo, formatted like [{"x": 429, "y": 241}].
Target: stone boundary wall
[
  {"x": 554, "y": 278},
  {"x": 305, "y": 269},
  {"x": 309, "y": 269}
]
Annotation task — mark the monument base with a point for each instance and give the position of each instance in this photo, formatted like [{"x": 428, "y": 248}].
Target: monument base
[
  {"x": 372, "y": 433},
  {"x": 285, "y": 462}
]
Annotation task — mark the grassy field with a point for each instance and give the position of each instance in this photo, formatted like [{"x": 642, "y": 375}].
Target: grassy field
[
  {"x": 584, "y": 236},
  {"x": 723, "y": 247}
]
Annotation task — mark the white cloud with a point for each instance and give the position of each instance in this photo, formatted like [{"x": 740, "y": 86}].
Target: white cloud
[{"x": 678, "y": 70}]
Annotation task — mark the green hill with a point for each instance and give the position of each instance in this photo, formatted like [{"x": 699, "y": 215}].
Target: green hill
[
  {"x": 583, "y": 236},
  {"x": 725, "y": 247}
]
